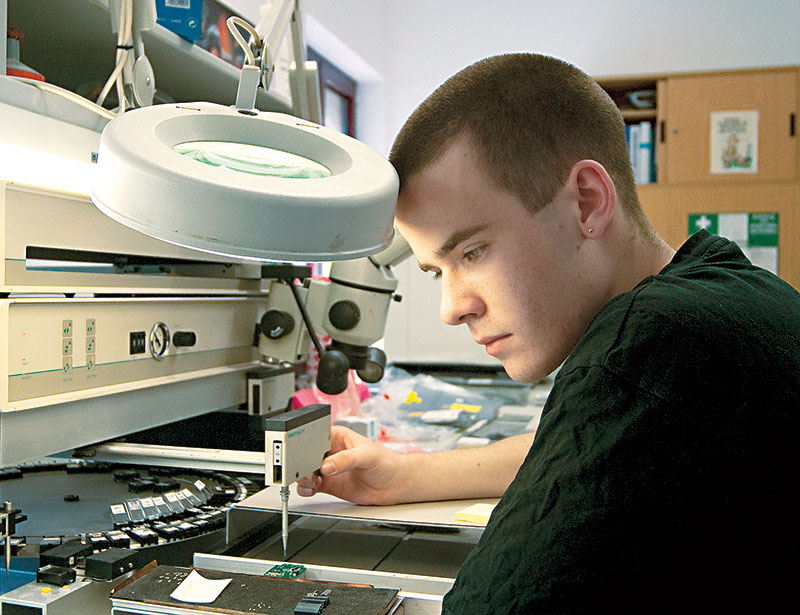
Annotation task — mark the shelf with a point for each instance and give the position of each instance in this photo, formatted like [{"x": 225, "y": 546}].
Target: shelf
[
  {"x": 689, "y": 181},
  {"x": 71, "y": 43},
  {"x": 618, "y": 89},
  {"x": 638, "y": 115}
]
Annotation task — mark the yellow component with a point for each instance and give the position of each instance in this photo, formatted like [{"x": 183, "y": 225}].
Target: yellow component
[
  {"x": 466, "y": 407},
  {"x": 413, "y": 398},
  {"x": 477, "y": 514},
  {"x": 45, "y": 590}
]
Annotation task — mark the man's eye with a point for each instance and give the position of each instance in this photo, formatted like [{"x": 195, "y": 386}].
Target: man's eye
[{"x": 474, "y": 254}]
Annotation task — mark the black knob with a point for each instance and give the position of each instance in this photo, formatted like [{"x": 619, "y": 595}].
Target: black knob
[
  {"x": 184, "y": 338},
  {"x": 332, "y": 372},
  {"x": 373, "y": 365},
  {"x": 275, "y": 324},
  {"x": 344, "y": 315}
]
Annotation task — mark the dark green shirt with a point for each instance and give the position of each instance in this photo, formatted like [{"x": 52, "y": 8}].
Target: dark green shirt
[{"x": 662, "y": 470}]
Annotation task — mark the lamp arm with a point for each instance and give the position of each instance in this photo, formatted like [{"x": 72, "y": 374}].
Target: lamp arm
[
  {"x": 303, "y": 76},
  {"x": 273, "y": 28},
  {"x": 396, "y": 253}
]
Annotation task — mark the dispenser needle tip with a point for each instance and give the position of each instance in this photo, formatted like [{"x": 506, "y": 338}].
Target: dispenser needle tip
[{"x": 285, "y": 518}]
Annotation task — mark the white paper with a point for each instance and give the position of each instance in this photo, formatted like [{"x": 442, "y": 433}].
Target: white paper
[
  {"x": 734, "y": 227},
  {"x": 445, "y": 415},
  {"x": 196, "y": 588},
  {"x": 764, "y": 257},
  {"x": 734, "y": 141}
]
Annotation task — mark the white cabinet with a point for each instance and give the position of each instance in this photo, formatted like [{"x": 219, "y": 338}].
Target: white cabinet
[{"x": 71, "y": 43}]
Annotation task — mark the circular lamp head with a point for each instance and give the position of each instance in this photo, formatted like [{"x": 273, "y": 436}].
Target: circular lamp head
[{"x": 254, "y": 185}]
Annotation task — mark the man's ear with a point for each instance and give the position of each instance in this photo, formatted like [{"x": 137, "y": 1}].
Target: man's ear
[{"x": 596, "y": 195}]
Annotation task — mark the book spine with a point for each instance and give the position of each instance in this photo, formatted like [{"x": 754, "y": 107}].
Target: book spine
[
  {"x": 632, "y": 133},
  {"x": 644, "y": 167}
]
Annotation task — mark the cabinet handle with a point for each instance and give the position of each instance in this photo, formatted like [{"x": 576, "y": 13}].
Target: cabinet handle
[
  {"x": 791, "y": 124},
  {"x": 663, "y": 131}
]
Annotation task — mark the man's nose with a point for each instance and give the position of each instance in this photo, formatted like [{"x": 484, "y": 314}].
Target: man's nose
[{"x": 459, "y": 303}]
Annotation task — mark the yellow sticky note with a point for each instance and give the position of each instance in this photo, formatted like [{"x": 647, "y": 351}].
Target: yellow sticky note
[
  {"x": 466, "y": 407},
  {"x": 477, "y": 514}
]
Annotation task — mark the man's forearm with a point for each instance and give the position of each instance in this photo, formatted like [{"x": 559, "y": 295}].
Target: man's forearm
[{"x": 485, "y": 471}]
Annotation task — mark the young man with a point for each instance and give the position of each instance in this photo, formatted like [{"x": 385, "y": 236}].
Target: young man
[{"x": 659, "y": 475}]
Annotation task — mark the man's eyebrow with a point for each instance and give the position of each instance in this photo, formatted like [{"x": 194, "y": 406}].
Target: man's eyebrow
[{"x": 457, "y": 237}]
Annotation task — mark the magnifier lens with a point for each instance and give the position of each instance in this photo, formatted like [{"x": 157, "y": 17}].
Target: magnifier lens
[{"x": 252, "y": 159}]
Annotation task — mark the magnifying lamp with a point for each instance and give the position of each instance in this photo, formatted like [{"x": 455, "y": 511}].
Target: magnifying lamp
[
  {"x": 240, "y": 182},
  {"x": 255, "y": 185}
]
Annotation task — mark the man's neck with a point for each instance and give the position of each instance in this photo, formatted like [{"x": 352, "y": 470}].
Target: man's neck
[{"x": 640, "y": 258}]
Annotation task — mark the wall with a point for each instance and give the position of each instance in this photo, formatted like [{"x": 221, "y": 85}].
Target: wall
[
  {"x": 430, "y": 40},
  {"x": 413, "y": 45},
  {"x": 352, "y": 33}
]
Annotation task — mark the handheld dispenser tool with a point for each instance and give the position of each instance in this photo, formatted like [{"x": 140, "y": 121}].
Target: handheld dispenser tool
[{"x": 297, "y": 441}]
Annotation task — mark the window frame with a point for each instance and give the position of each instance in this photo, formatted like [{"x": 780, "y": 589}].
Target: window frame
[{"x": 333, "y": 78}]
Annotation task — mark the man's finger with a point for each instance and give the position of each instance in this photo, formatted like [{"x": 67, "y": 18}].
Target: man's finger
[
  {"x": 305, "y": 491},
  {"x": 308, "y": 485},
  {"x": 344, "y": 461}
]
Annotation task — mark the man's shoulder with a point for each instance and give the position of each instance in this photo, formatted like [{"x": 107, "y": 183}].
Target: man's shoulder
[{"x": 704, "y": 316}]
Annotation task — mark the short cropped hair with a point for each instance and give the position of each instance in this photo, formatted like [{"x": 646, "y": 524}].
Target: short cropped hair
[{"x": 529, "y": 118}]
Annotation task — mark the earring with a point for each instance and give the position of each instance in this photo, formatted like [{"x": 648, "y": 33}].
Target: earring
[{"x": 591, "y": 230}]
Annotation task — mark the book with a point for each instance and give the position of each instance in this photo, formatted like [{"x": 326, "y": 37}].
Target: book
[
  {"x": 632, "y": 132},
  {"x": 644, "y": 166}
]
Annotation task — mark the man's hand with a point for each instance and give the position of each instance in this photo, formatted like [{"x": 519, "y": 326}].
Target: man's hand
[
  {"x": 365, "y": 472},
  {"x": 359, "y": 470}
]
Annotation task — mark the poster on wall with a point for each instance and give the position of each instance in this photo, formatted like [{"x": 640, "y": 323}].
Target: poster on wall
[
  {"x": 755, "y": 233},
  {"x": 734, "y": 142}
]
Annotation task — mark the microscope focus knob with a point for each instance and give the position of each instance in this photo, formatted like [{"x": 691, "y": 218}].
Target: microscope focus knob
[
  {"x": 344, "y": 315},
  {"x": 275, "y": 324}
]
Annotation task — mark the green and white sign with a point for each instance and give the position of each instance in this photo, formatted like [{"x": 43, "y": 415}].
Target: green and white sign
[{"x": 755, "y": 233}]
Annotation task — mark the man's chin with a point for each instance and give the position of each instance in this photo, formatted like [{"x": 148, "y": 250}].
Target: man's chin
[{"x": 522, "y": 373}]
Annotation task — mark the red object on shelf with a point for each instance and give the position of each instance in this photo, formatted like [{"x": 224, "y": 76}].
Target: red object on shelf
[
  {"x": 15, "y": 68},
  {"x": 27, "y": 74}
]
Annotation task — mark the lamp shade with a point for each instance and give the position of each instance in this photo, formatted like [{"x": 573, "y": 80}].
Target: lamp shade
[{"x": 248, "y": 184}]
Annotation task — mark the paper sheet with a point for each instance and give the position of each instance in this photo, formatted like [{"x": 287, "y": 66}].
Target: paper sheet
[
  {"x": 196, "y": 588},
  {"x": 439, "y": 514}
]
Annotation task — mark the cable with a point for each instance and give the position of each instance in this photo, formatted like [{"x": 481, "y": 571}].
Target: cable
[
  {"x": 246, "y": 46},
  {"x": 72, "y": 96},
  {"x": 123, "y": 51},
  {"x": 118, "y": 67},
  {"x": 306, "y": 319},
  {"x": 124, "y": 46}
]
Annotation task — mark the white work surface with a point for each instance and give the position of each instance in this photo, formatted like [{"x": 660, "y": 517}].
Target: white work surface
[{"x": 439, "y": 514}]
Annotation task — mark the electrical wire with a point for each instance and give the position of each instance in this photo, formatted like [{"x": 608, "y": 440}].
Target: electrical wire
[
  {"x": 234, "y": 23},
  {"x": 123, "y": 51},
  {"x": 72, "y": 96},
  {"x": 121, "y": 55},
  {"x": 124, "y": 46},
  {"x": 306, "y": 318}
]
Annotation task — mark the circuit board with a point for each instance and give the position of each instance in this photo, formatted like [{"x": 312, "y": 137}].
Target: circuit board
[{"x": 254, "y": 594}]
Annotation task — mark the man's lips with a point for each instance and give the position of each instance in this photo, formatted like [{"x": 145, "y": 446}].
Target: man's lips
[{"x": 493, "y": 343}]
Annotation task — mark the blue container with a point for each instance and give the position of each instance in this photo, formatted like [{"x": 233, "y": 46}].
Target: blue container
[{"x": 183, "y": 17}]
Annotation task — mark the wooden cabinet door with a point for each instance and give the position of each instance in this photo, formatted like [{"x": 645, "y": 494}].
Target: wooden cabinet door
[
  {"x": 782, "y": 198},
  {"x": 690, "y": 101},
  {"x": 657, "y": 205}
]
